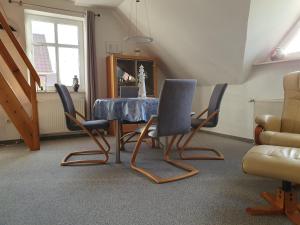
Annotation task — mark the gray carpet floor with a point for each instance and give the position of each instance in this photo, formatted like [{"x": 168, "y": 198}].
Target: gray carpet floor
[{"x": 35, "y": 190}]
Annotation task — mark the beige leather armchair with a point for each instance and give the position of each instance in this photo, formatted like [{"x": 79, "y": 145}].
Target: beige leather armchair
[{"x": 284, "y": 131}]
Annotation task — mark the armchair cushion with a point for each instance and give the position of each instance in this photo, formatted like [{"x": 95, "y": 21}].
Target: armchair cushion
[
  {"x": 273, "y": 161},
  {"x": 280, "y": 139},
  {"x": 269, "y": 122}
]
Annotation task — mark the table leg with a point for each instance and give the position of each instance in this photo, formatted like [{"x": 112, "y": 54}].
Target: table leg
[{"x": 117, "y": 131}]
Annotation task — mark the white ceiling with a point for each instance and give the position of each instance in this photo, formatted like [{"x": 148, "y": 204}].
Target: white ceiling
[{"x": 105, "y": 3}]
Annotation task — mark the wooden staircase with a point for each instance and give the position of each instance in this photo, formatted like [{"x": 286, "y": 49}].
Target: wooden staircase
[{"x": 27, "y": 125}]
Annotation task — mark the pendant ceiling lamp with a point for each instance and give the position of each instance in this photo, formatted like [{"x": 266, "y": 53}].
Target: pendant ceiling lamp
[{"x": 141, "y": 12}]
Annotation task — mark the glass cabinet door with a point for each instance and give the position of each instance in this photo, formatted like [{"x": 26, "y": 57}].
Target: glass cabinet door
[{"x": 126, "y": 73}]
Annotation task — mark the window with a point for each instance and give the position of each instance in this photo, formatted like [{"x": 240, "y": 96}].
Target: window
[
  {"x": 56, "y": 48},
  {"x": 290, "y": 45}
]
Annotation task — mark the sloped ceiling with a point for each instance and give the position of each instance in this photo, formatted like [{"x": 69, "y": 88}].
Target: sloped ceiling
[
  {"x": 212, "y": 41},
  {"x": 202, "y": 39}
]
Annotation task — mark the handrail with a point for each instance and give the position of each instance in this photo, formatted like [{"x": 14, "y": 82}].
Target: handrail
[
  {"x": 20, "y": 50},
  {"x": 29, "y": 89}
]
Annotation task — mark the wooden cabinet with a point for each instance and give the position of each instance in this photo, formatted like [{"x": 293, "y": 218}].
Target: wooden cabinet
[{"x": 123, "y": 70}]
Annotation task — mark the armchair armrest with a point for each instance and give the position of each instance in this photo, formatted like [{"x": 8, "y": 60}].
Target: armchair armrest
[{"x": 269, "y": 122}]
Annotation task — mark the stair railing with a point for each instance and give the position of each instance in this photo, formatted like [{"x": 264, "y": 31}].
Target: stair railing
[{"x": 29, "y": 89}]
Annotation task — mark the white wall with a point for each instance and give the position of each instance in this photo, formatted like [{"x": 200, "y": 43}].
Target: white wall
[{"x": 236, "y": 116}]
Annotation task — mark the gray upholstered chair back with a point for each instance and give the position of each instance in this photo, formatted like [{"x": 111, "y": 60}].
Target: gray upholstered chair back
[
  {"x": 175, "y": 106},
  {"x": 129, "y": 91},
  {"x": 67, "y": 104},
  {"x": 215, "y": 102}
]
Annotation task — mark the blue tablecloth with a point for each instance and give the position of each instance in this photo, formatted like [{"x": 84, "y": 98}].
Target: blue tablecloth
[{"x": 129, "y": 109}]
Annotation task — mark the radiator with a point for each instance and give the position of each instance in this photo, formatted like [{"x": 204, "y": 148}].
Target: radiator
[{"x": 51, "y": 114}]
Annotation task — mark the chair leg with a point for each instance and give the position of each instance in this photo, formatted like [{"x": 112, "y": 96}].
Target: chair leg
[
  {"x": 101, "y": 150},
  {"x": 283, "y": 203},
  {"x": 191, "y": 171},
  {"x": 107, "y": 149},
  {"x": 184, "y": 148},
  {"x": 65, "y": 161},
  {"x": 129, "y": 137}
]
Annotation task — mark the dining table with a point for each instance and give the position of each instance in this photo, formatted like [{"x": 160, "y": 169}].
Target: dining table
[{"x": 124, "y": 109}]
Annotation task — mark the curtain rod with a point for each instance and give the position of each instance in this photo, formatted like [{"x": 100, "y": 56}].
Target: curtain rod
[{"x": 21, "y": 3}]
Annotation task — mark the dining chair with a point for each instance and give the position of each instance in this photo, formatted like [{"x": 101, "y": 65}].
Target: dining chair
[
  {"x": 173, "y": 119},
  {"x": 88, "y": 126},
  {"x": 198, "y": 123},
  {"x": 128, "y": 92}
]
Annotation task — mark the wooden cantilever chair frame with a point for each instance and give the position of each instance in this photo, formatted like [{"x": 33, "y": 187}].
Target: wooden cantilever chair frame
[
  {"x": 191, "y": 171},
  {"x": 127, "y": 92},
  {"x": 167, "y": 115},
  {"x": 74, "y": 124},
  {"x": 183, "y": 148},
  {"x": 101, "y": 149}
]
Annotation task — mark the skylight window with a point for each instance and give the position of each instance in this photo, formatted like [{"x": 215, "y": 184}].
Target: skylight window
[
  {"x": 293, "y": 45},
  {"x": 289, "y": 47}
]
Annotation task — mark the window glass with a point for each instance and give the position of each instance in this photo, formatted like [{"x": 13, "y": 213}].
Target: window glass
[
  {"x": 68, "y": 65},
  {"x": 42, "y": 32},
  {"x": 67, "y": 34},
  {"x": 44, "y": 61},
  {"x": 294, "y": 45},
  {"x": 56, "y": 48}
]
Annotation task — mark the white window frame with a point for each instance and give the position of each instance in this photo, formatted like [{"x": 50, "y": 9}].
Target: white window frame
[{"x": 58, "y": 19}]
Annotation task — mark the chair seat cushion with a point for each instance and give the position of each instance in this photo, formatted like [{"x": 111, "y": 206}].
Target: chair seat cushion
[
  {"x": 280, "y": 139},
  {"x": 277, "y": 162},
  {"x": 96, "y": 124},
  {"x": 197, "y": 122}
]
